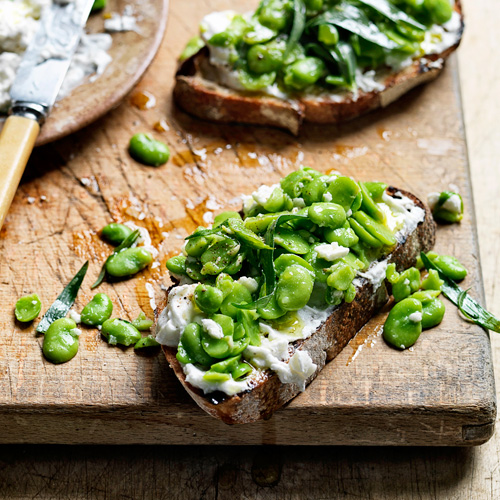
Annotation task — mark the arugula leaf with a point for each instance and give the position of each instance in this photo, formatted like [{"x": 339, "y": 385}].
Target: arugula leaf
[
  {"x": 298, "y": 25},
  {"x": 472, "y": 310},
  {"x": 354, "y": 20},
  {"x": 63, "y": 303},
  {"x": 391, "y": 12},
  {"x": 126, "y": 243}
]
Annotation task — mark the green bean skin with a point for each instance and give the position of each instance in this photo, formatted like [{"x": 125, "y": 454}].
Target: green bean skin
[
  {"x": 400, "y": 330},
  {"x": 115, "y": 233},
  {"x": 146, "y": 150},
  {"x": 128, "y": 262},
  {"x": 28, "y": 308},
  {"x": 98, "y": 310},
  {"x": 60, "y": 343},
  {"x": 118, "y": 331}
]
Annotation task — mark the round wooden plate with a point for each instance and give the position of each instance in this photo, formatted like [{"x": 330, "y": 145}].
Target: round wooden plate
[{"x": 132, "y": 53}]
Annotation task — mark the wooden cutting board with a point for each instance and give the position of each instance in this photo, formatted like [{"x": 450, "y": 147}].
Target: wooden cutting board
[{"x": 440, "y": 393}]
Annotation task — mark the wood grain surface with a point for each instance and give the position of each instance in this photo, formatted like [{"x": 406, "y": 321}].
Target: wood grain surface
[
  {"x": 439, "y": 393},
  {"x": 313, "y": 472}
]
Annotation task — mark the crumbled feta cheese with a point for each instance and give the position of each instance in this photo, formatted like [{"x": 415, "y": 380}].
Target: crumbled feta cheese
[
  {"x": 453, "y": 204},
  {"x": 75, "y": 331},
  {"x": 249, "y": 283},
  {"x": 331, "y": 251},
  {"x": 299, "y": 202},
  {"x": 262, "y": 195},
  {"x": 212, "y": 328},
  {"x": 328, "y": 197},
  {"x": 77, "y": 318},
  {"x": 415, "y": 317}
]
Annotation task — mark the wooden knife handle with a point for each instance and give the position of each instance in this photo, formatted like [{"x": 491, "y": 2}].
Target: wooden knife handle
[{"x": 17, "y": 140}]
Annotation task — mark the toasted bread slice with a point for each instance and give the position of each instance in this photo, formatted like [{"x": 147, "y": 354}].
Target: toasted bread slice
[
  {"x": 197, "y": 92},
  {"x": 330, "y": 338}
]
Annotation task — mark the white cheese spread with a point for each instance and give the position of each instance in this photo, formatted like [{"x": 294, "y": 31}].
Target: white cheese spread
[{"x": 375, "y": 274}]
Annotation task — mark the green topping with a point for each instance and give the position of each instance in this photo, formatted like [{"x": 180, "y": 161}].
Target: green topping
[
  {"x": 148, "y": 341},
  {"x": 60, "y": 343},
  {"x": 119, "y": 331},
  {"x": 146, "y": 150},
  {"x": 142, "y": 323},
  {"x": 98, "y": 310},
  {"x": 115, "y": 233},
  {"x": 404, "y": 324},
  {"x": 192, "y": 47},
  {"x": 261, "y": 268},
  {"x": 128, "y": 262},
  {"x": 208, "y": 298},
  {"x": 99, "y": 5},
  {"x": 28, "y": 308},
  {"x": 126, "y": 243},
  {"x": 299, "y": 45},
  {"x": 470, "y": 308},
  {"x": 63, "y": 303},
  {"x": 448, "y": 208}
]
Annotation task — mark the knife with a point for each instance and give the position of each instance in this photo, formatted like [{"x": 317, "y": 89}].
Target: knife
[{"x": 34, "y": 91}]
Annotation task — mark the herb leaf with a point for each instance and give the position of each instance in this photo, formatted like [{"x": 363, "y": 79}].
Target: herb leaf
[
  {"x": 126, "y": 243},
  {"x": 299, "y": 23},
  {"x": 353, "y": 19},
  {"x": 392, "y": 13},
  {"x": 471, "y": 309},
  {"x": 267, "y": 259},
  {"x": 63, "y": 303}
]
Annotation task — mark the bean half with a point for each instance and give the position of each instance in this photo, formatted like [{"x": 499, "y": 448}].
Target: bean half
[
  {"x": 60, "y": 343},
  {"x": 403, "y": 326},
  {"x": 148, "y": 151},
  {"x": 98, "y": 310},
  {"x": 117, "y": 331},
  {"x": 127, "y": 262},
  {"x": 28, "y": 308}
]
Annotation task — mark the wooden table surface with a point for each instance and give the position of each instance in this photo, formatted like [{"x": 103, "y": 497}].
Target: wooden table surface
[{"x": 252, "y": 472}]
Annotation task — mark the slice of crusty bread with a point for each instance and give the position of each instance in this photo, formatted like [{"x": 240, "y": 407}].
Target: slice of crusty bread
[
  {"x": 197, "y": 92},
  {"x": 323, "y": 345}
]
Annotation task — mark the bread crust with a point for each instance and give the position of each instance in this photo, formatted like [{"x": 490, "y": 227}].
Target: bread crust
[
  {"x": 197, "y": 92},
  {"x": 323, "y": 345}
]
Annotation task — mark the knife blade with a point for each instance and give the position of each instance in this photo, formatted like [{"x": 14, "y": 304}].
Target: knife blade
[{"x": 47, "y": 58}]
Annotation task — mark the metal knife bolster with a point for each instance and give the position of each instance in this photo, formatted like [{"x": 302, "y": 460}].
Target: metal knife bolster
[{"x": 47, "y": 58}]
